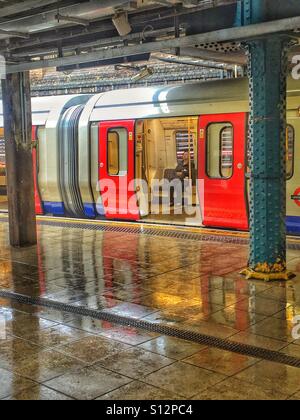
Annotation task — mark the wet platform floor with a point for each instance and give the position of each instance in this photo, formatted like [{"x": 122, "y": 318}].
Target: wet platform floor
[{"x": 49, "y": 354}]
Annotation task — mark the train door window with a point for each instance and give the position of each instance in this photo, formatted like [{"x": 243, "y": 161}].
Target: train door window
[
  {"x": 220, "y": 150},
  {"x": 290, "y": 144},
  {"x": 117, "y": 152}
]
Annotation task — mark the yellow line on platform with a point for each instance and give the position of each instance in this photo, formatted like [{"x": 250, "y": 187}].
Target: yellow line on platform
[
  {"x": 152, "y": 226},
  {"x": 148, "y": 226}
]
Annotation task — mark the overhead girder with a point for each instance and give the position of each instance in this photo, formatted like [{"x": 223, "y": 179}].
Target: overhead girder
[
  {"x": 219, "y": 57},
  {"x": 160, "y": 19},
  {"x": 17, "y": 9},
  {"x": 238, "y": 34},
  {"x": 40, "y": 24},
  {"x": 109, "y": 62},
  {"x": 155, "y": 19},
  {"x": 38, "y": 17},
  {"x": 278, "y": 9},
  {"x": 73, "y": 32},
  {"x": 88, "y": 10},
  {"x": 88, "y": 43},
  {"x": 74, "y": 36}
]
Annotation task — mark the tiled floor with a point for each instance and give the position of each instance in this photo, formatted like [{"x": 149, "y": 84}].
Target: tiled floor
[{"x": 48, "y": 354}]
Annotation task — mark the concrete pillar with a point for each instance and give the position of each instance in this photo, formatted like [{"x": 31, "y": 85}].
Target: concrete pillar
[{"x": 18, "y": 137}]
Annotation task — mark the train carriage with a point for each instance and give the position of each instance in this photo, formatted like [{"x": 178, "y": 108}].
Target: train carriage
[{"x": 84, "y": 144}]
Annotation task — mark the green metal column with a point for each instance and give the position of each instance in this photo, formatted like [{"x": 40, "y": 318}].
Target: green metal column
[
  {"x": 267, "y": 154},
  {"x": 268, "y": 64}
]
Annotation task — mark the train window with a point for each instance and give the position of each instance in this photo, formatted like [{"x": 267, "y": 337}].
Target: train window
[
  {"x": 290, "y": 145},
  {"x": 226, "y": 140},
  {"x": 185, "y": 142},
  {"x": 220, "y": 150},
  {"x": 117, "y": 152},
  {"x": 113, "y": 153}
]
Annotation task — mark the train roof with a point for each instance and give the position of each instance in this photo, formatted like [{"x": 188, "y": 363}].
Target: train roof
[
  {"x": 228, "y": 95},
  {"x": 151, "y": 102},
  {"x": 219, "y": 89},
  {"x": 42, "y": 107}
]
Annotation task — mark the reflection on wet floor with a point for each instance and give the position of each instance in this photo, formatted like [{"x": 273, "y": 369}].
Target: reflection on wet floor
[
  {"x": 48, "y": 354},
  {"x": 3, "y": 204}
]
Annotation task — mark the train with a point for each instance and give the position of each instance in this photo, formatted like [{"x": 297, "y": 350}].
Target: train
[{"x": 94, "y": 154}]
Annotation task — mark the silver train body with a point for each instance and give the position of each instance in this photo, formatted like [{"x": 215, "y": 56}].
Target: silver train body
[{"x": 67, "y": 134}]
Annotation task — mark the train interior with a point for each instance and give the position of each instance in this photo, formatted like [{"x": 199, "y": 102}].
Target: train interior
[{"x": 161, "y": 146}]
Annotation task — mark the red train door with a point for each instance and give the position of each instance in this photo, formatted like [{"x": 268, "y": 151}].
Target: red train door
[
  {"x": 222, "y": 162},
  {"x": 117, "y": 169},
  {"x": 38, "y": 201}
]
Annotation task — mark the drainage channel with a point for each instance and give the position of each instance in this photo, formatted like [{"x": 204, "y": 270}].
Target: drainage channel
[
  {"x": 166, "y": 233},
  {"x": 158, "y": 231},
  {"x": 203, "y": 234},
  {"x": 162, "y": 329}
]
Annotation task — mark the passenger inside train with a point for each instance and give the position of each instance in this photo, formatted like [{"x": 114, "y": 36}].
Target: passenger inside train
[
  {"x": 166, "y": 153},
  {"x": 186, "y": 167}
]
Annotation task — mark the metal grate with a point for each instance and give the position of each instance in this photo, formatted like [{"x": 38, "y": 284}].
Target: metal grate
[
  {"x": 189, "y": 335},
  {"x": 144, "y": 230},
  {"x": 204, "y": 234}
]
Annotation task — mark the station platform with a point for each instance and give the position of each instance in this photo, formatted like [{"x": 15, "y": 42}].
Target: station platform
[{"x": 127, "y": 311}]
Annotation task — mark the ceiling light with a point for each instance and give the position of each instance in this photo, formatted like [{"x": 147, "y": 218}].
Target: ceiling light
[{"x": 122, "y": 24}]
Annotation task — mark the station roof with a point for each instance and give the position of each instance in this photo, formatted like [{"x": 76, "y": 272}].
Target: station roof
[{"x": 70, "y": 34}]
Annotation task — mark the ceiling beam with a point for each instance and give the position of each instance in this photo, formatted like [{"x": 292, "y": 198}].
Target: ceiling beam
[
  {"x": 85, "y": 44},
  {"x": 76, "y": 8},
  {"x": 139, "y": 19},
  {"x": 23, "y": 6},
  {"x": 14, "y": 34},
  {"x": 230, "y": 34},
  {"x": 219, "y": 57},
  {"x": 31, "y": 7},
  {"x": 186, "y": 62}
]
